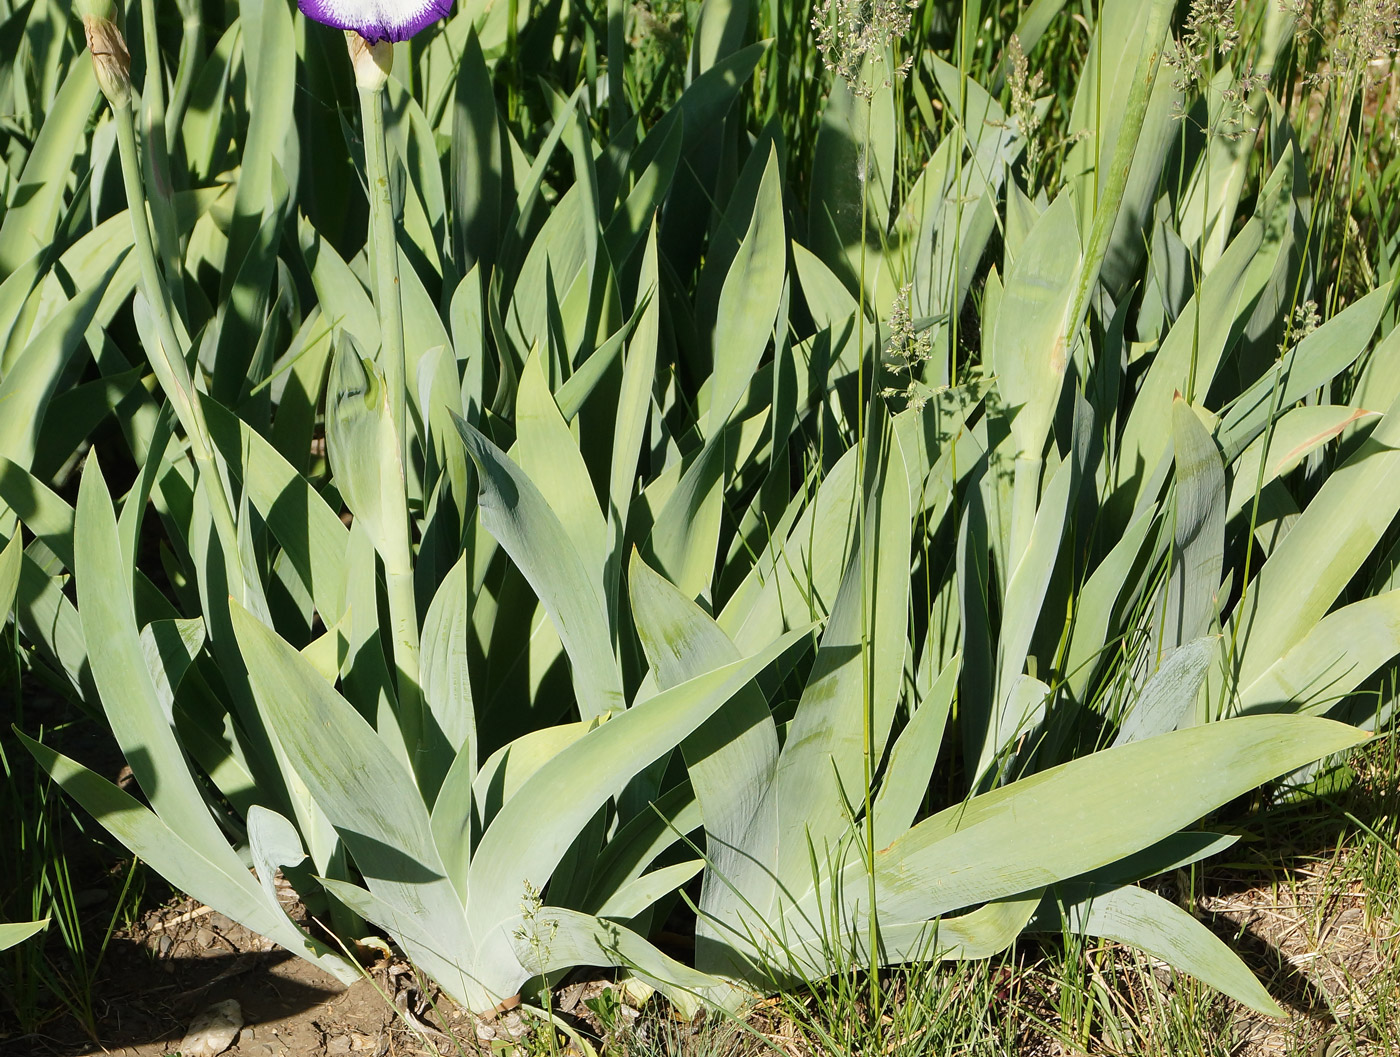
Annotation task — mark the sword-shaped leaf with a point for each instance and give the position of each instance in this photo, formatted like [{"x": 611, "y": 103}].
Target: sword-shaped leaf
[{"x": 518, "y": 516}]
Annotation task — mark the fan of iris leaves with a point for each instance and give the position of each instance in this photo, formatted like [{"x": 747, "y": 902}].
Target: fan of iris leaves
[{"x": 662, "y": 579}]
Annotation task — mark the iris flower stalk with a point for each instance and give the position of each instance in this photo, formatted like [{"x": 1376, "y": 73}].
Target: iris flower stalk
[
  {"x": 112, "y": 65},
  {"x": 372, "y": 27},
  {"x": 372, "y": 61}
]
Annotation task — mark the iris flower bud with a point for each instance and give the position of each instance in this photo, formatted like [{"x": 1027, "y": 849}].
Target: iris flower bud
[{"x": 110, "y": 59}]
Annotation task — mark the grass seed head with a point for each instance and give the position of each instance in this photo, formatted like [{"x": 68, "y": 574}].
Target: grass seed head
[
  {"x": 1023, "y": 88},
  {"x": 1209, "y": 31},
  {"x": 851, "y": 31},
  {"x": 1369, "y": 31},
  {"x": 909, "y": 348}
]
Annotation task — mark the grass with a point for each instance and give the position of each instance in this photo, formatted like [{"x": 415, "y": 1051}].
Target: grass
[
  {"x": 62, "y": 866},
  {"x": 1309, "y": 900}
]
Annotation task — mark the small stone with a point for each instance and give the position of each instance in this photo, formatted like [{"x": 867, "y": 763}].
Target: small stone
[
  {"x": 569, "y": 998},
  {"x": 515, "y": 1027},
  {"x": 338, "y": 1044},
  {"x": 205, "y": 937},
  {"x": 635, "y": 992},
  {"x": 213, "y": 1031},
  {"x": 484, "y": 1031}
]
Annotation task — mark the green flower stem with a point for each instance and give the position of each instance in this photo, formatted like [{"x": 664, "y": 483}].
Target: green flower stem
[
  {"x": 166, "y": 352},
  {"x": 403, "y": 621},
  {"x": 155, "y": 159},
  {"x": 384, "y": 262},
  {"x": 398, "y": 565},
  {"x": 191, "y": 56}
]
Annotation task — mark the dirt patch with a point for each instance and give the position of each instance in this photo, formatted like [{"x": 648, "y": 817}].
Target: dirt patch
[
  {"x": 185, "y": 958},
  {"x": 1328, "y": 960}
]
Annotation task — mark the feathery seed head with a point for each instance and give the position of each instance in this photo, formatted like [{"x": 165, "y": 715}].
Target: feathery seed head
[{"x": 851, "y": 31}]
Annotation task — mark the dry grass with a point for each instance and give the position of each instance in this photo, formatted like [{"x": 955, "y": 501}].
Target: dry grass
[{"x": 1311, "y": 902}]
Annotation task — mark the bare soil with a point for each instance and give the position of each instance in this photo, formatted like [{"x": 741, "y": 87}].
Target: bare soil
[{"x": 183, "y": 958}]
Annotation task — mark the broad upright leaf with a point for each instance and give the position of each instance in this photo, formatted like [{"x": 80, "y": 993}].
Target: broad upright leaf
[
  {"x": 592, "y": 769},
  {"x": 748, "y": 302},
  {"x": 1148, "y": 922},
  {"x": 12, "y": 933},
  {"x": 140, "y": 722},
  {"x": 29, "y": 224},
  {"x": 848, "y": 696},
  {"x": 549, "y": 455},
  {"x": 518, "y": 516},
  {"x": 11, "y": 562},
  {"x": 374, "y": 804},
  {"x": 1031, "y": 348},
  {"x": 731, "y": 759},
  {"x": 1037, "y": 831},
  {"x": 1198, "y": 546},
  {"x": 478, "y": 184},
  {"x": 447, "y": 687},
  {"x": 1308, "y": 570}
]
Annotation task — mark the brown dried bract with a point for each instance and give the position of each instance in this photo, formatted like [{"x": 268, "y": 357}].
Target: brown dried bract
[{"x": 110, "y": 59}]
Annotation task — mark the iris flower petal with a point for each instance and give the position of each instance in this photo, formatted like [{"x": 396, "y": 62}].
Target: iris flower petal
[{"x": 377, "y": 20}]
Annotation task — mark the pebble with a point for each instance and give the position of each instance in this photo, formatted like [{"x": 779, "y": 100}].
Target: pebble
[
  {"x": 213, "y": 1031},
  {"x": 515, "y": 1027}
]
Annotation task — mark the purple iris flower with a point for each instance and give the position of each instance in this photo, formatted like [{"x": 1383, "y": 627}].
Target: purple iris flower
[{"x": 377, "y": 20}]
